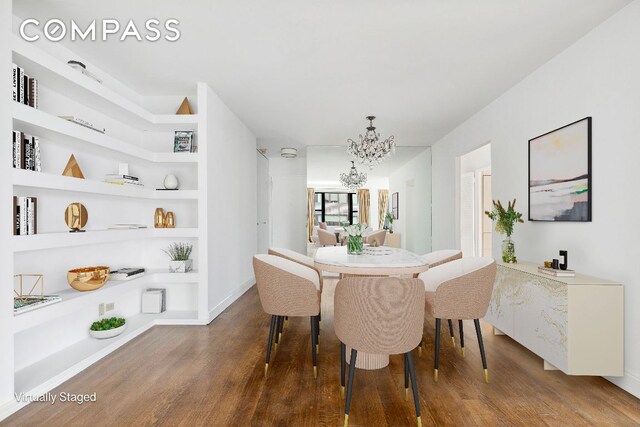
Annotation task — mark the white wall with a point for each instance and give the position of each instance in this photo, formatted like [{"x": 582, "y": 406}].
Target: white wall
[
  {"x": 412, "y": 182},
  {"x": 598, "y": 77},
  {"x": 289, "y": 203},
  {"x": 232, "y": 204}
]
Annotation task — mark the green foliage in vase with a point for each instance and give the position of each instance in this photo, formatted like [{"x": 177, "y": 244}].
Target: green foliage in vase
[
  {"x": 107, "y": 324},
  {"x": 179, "y": 251},
  {"x": 505, "y": 218}
]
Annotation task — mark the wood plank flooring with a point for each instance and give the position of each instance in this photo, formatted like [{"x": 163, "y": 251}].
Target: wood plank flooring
[{"x": 214, "y": 376}]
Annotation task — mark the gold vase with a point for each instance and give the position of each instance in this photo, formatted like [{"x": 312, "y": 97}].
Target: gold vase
[
  {"x": 169, "y": 220},
  {"x": 158, "y": 218}
]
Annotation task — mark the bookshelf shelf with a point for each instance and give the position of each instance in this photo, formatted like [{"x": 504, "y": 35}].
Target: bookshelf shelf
[
  {"x": 31, "y": 179},
  {"x": 48, "y": 126},
  {"x": 58, "y": 367},
  {"x": 42, "y": 241},
  {"x": 73, "y": 300}
]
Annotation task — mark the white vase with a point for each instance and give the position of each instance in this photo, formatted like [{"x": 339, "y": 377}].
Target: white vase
[
  {"x": 171, "y": 182},
  {"x": 181, "y": 266}
]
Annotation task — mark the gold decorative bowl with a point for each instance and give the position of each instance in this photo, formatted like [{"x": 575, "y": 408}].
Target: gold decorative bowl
[{"x": 88, "y": 278}]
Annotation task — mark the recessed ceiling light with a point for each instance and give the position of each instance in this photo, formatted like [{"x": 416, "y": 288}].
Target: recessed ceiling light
[{"x": 289, "y": 153}]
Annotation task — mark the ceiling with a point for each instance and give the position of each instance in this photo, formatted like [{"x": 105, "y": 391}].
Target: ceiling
[{"x": 302, "y": 73}]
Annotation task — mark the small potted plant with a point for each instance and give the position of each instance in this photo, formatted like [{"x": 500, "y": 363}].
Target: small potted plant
[
  {"x": 505, "y": 220},
  {"x": 179, "y": 254},
  {"x": 389, "y": 218},
  {"x": 354, "y": 238},
  {"x": 108, "y": 327}
]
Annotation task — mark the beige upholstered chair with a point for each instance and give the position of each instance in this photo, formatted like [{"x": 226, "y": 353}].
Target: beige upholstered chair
[
  {"x": 460, "y": 289},
  {"x": 379, "y": 316},
  {"x": 435, "y": 259},
  {"x": 287, "y": 288},
  {"x": 326, "y": 238},
  {"x": 376, "y": 238}
]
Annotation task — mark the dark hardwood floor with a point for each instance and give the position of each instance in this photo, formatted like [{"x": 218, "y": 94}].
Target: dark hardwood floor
[{"x": 214, "y": 376}]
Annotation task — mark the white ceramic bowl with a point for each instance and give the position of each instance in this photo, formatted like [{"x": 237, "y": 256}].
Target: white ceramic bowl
[{"x": 108, "y": 334}]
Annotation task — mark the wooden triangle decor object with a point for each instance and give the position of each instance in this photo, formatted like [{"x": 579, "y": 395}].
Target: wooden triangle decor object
[
  {"x": 185, "y": 108},
  {"x": 72, "y": 168}
]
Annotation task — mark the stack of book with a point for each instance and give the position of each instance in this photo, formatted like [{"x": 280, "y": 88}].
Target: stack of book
[
  {"x": 25, "y": 214},
  {"x": 127, "y": 273},
  {"x": 556, "y": 273},
  {"x": 26, "y": 152},
  {"x": 114, "y": 178},
  {"x": 25, "y": 88}
]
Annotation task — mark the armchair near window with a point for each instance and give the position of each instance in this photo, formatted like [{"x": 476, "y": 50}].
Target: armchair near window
[{"x": 326, "y": 238}]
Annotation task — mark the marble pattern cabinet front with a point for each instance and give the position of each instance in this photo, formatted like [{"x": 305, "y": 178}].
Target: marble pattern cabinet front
[{"x": 574, "y": 324}]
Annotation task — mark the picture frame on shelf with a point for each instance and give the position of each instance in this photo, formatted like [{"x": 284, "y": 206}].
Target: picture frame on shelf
[
  {"x": 183, "y": 141},
  {"x": 560, "y": 174}
]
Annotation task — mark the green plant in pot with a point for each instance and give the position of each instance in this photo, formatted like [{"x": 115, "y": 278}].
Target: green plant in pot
[
  {"x": 107, "y": 327},
  {"x": 505, "y": 219},
  {"x": 389, "y": 218},
  {"x": 179, "y": 254}
]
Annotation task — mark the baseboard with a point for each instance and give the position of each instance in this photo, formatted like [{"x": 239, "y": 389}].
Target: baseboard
[
  {"x": 629, "y": 383},
  {"x": 11, "y": 407},
  {"x": 222, "y": 306}
]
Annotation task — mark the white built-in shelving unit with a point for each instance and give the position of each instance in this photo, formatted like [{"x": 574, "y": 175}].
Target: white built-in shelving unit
[{"x": 52, "y": 343}]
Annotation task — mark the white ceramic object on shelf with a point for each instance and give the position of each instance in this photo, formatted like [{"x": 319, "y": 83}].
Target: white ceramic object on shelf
[
  {"x": 180, "y": 266},
  {"x": 101, "y": 335},
  {"x": 171, "y": 182}
]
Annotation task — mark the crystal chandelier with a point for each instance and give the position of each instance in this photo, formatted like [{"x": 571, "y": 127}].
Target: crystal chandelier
[
  {"x": 370, "y": 150},
  {"x": 353, "y": 180}
]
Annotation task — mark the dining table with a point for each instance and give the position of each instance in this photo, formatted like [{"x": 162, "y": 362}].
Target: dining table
[{"x": 381, "y": 261}]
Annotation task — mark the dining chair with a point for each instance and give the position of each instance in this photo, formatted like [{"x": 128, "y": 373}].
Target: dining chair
[
  {"x": 300, "y": 259},
  {"x": 288, "y": 288},
  {"x": 461, "y": 290},
  {"x": 435, "y": 259},
  {"x": 379, "y": 315},
  {"x": 376, "y": 238},
  {"x": 327, "y": 238}
]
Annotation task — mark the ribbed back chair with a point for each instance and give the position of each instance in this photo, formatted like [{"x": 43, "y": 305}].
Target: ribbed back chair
[
  {"x": 461, "y": 290},
  {"x": 435, "y": 259},
  {"x": 376, "y": 238},
  {"x": 327, "y": 238},
  {"x": 380, "y": 316},
  {"x": 287, "y": 288},
  {"x": 300, "y": 259}
]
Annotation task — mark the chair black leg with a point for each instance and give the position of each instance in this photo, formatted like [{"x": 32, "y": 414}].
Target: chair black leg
[
  {"x": 272, "y": 328},
  {"x": 406, "y": 379},
  {"x": 461, "y": 331},
  {"x": 352, "y": 370},
  {"x": 281, "y": 328},
  {"x": 481, "y": 345},
  {"x": 414, "y": 386},
  {"x": 436, "y": 357},
  {"x": 277, "y": 330},
  {"x": 453, "y": 338},
  {"x": 317, "y": 334},
  {"x": 343, "y": 365},
  {"x": 314, "y": 341}
]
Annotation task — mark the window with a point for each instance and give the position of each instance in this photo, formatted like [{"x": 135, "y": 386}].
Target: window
[{"x": 336, "y": 208}]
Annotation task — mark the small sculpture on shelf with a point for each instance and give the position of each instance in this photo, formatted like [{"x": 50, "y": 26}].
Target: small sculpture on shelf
[
  {"x": 26, "y": 301},
  {"x": 158, "y": 218},
  {"x": 76, "y": 217},
  {"x": 73, "y": 169},
  {"x": 185, "y": 107},
  {"x": 170, "y": 220},
  {"x": 171, "y": 182}
]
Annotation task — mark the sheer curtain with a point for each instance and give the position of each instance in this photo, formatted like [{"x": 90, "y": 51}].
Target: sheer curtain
[
  {"x": 363, "y": 206},
  {"x": 311, "y": 210},
  {"x": 383, "y": 204}
]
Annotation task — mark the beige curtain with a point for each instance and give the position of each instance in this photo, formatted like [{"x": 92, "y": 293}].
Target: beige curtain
[
  {"x": 383, "y": 204},
  {"x": 311, "y": 210},
  {"x": 363, "y": 206}
]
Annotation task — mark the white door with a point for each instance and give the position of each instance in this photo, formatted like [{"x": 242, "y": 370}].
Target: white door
[{"x": 264, "y": 196}]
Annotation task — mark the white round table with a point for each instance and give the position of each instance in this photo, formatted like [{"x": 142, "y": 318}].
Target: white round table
[{"x": 335, "y": 259}]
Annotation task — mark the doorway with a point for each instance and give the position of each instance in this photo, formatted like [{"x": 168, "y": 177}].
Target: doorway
[{"x": 475, "y": 228}]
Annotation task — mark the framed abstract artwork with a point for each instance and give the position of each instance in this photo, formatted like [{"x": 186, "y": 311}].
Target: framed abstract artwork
[
  {"x": 394, "y": 205},
  {"x": 560, "y": 174}
]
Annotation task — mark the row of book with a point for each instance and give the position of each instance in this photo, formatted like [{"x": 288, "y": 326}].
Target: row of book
[
  {"x": 114, "y": 178},
  {"x": 25, "y": 214},
  {"x": 25, "y": 88},
  {"x": 26, "y": 152}
]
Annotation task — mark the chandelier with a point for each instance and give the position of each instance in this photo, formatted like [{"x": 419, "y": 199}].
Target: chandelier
[
  {"x": 370, "y": 150},
  {"x": 353, "y": 180}
]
